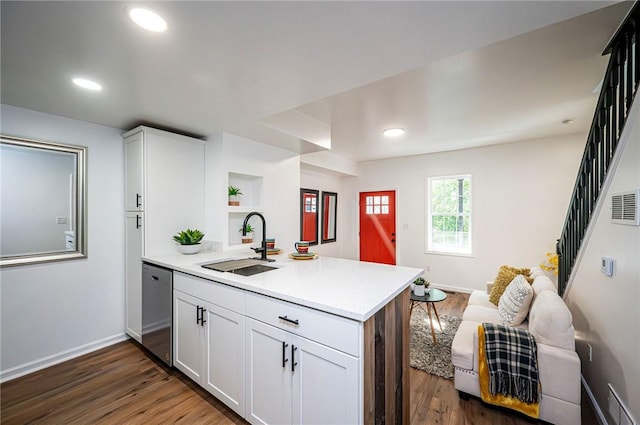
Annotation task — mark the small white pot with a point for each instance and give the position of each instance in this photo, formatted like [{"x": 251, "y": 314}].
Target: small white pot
[
  {"x": 190, "y": 249},
  {"x": 418, "y": 290}
]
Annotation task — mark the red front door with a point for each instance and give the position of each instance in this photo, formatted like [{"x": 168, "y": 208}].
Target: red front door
[{"x": 378, "y": 227}]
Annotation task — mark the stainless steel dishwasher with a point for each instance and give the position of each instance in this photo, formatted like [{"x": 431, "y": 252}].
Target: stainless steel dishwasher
[{"x": 157, "y": 308}]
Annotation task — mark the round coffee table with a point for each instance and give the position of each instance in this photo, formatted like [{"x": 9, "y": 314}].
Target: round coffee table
[{"x": 434, "y": 296}]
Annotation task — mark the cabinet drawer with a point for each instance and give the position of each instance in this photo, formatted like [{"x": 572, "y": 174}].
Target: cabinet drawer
[
  {"x": 328, "y": 329},
  {"x": 208, "y": 290}
]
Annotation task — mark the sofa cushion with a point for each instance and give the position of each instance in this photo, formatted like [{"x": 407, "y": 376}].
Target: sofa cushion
[
  {"x": 514, "y": 302},
  {"x": 505, "y": 275},
  {"x": 480, "y": 298},
  {"x": 463, "y": 346},
  {"x": 536, "y": 271},
  {"x": 550, "y": 321},
  {"x": 542, "y": 283},
  {"x": 481, "y": 314}
]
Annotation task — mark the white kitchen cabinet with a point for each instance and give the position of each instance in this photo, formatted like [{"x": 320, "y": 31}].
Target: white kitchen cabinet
[
  {"x": 268, "y": 376},
  {"x": 188, "y": 335},
  {"x": 293, "y": 380},
  {"x": 165, "y": 179},
  {"x": 224, "y": 356},
  {"x": 164, "y": 187},
  {"x": 134, "y": 234},
  {"x": 209, "y": 339},
  {"x": 134, "y": 172},
  {"x": 325, "y": 385}
]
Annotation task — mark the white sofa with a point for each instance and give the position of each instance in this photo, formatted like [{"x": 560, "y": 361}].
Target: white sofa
[{"x": 550, "y": 322}]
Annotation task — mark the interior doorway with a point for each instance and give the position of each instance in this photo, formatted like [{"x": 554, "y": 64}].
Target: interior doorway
[{"x": 378, "y": 226}]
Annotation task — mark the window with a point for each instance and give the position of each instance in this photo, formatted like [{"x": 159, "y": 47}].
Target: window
[
  {"x": 449, "y": 214},
  {"x": 377, "y": 204}
]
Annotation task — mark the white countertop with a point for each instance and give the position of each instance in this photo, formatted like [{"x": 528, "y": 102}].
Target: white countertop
[{"x": 347, "y": 288}]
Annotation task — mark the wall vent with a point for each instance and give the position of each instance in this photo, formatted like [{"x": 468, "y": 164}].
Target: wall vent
[
  {"x": 625, "y": 208},
  {"x": 618, "y": 410}
]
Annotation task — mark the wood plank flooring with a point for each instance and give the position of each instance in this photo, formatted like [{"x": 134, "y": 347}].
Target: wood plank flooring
[{"x": 122, "y": 385}]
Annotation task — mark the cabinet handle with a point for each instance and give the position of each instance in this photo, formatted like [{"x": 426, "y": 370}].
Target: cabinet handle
[
  {"x": 294, "y": 363},
  {"x": 198, "y": 317},
  {"x": 286, "y": 319},
  {"x": 138, "y": 223},
  {"x": 138, "y": 200},
  {"x": 202, "y": 319},
  {"x": 284, "y": 354}
]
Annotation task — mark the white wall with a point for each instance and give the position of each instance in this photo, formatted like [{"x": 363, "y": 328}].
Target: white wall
[
  {"x": 227, "y": 153},
  {"x": 312, "y": 179},
  {"x": 606, "y": 310},
  {"x": 520, "y": 196},
  {"x": 59, "y": 310}
]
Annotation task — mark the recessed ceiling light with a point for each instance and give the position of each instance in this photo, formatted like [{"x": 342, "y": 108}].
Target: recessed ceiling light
[
  {"x": 86, "y": 84},
  {"x": 393, "y": 132},
  {"x": 147, "y": 19}
]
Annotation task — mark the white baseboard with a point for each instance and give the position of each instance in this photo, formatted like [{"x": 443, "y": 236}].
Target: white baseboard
[
  {"x": 34, "y": 366},
  {"x": 452, "y": 288},
  {"x": 592, "y": 400}
]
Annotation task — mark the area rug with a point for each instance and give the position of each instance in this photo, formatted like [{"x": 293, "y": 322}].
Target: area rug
[{"x": 424, "y": 354}]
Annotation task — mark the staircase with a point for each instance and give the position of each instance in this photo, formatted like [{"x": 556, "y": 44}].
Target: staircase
[{"x": 619, "y": 87}]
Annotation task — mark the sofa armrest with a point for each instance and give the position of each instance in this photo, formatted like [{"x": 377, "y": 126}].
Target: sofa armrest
[
  {"x": 559, "y": 373},
  {"x": 559, "y": 370}
]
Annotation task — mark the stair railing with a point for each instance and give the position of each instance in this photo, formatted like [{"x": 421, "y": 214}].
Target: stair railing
[{"x": 619, "y": 87}]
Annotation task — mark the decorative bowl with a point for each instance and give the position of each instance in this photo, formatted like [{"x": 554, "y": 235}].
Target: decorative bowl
[{"x": 190, "y": 249}]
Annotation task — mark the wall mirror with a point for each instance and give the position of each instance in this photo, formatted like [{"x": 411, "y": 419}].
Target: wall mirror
[
  {"x": 329, "y": 214},
  {"x": 43, "y": 198},
  {"x": 309, "y": 216}
]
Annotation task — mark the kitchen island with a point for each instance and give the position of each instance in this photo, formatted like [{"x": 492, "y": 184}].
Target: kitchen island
[{"x": 313, "y": 341}]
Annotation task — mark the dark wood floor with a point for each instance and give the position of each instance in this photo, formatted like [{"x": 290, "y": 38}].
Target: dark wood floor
[{"x": 121, "y": 385}]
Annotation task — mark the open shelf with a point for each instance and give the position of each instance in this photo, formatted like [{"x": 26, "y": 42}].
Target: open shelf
[{"x": 251, "y": 200}]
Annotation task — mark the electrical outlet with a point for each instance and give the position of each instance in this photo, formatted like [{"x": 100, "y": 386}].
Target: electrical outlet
[
  {"x": 427, "y": 268},
  {"x": 61, "y": 220},
  {"x": 590, "y": 352}
]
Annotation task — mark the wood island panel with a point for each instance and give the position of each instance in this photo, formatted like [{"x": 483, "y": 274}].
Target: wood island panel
[{"x": 386, "y": 363}]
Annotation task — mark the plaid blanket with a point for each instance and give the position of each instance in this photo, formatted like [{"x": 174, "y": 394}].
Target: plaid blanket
[{"x": 512, "y": 360}]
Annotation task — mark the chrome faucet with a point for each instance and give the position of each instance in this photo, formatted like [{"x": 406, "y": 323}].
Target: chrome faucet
[{"x": 263, "y": 247}]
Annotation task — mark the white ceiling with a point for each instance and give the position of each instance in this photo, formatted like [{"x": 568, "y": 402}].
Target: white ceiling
[{"x": 308, "y": 75}]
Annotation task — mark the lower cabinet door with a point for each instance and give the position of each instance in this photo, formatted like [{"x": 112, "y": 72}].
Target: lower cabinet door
[
  {"x": 267, "y": 374},
  {"x": 188, "y": 335},
  {"x": 224, "y": 356},
  {"x": 325, "y": 385}
]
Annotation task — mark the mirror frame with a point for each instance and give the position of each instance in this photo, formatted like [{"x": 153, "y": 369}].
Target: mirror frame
[
  {"x": 335, "y": 216},
  {"x": 302, "y": 196},
  {"x": 81, "y": 203}
]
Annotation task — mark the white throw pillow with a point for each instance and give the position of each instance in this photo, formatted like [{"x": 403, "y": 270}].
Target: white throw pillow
[{"x": 513, "y": 306}]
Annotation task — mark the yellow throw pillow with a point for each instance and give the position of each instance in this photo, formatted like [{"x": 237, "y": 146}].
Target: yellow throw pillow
[{"x": 505, "y": 275}]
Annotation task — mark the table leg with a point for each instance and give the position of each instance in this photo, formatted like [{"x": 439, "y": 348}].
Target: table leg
[
  {"x": 433, "y": 330},
  {"x": 433, "y": 306}
]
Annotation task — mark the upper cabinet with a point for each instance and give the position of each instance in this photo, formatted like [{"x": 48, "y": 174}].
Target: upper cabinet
[
  {"x": 164, "y": 177},
  {"x": 134, "y": 167}
]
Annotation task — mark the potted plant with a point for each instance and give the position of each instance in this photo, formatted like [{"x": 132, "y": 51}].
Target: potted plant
[
  {"x": 189, "y": 241},
  {"x": 421, "y": 287},
  {"x": 233, "y": 193},
  {"x": 248, "y": 238}
]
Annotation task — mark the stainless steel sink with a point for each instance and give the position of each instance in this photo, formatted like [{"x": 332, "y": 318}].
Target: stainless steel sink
[{"x": 244, "y": 267}]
